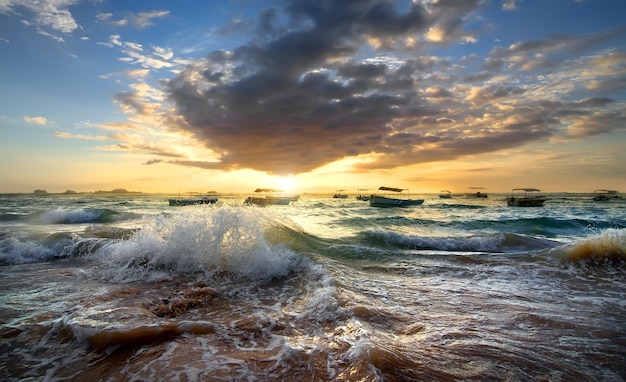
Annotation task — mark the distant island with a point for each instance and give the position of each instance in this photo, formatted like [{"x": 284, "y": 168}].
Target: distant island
[
  {"x": 118, "y": 191},
  {"x": 40, "y": 192},
  {"x": 70, "y": 192}
]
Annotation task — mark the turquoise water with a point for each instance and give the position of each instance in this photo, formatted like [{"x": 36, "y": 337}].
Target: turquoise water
[{"x": 126, "y": 287}]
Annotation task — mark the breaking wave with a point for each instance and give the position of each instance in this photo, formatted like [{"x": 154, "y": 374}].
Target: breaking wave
[
  {"x": 606, "y": 247},
  {"x": 226, "y": 242},
  {"x": 76, "y": 216}
]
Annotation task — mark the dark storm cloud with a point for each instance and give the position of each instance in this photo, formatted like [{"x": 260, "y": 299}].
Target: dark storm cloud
[
  {"x": 316, "y": 84},
  {"x": 298, "y": 101}
]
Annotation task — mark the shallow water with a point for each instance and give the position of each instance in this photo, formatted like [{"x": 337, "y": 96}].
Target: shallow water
[{"x": 131, "y": 289}]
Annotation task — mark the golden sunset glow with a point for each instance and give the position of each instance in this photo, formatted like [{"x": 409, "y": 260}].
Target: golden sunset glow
[{"x": 433, "y": 95}]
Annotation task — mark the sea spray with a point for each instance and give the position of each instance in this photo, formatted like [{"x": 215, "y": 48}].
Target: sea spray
[
  {"x": 216, "y": 242},
  {"x": 607, "y": 247}
]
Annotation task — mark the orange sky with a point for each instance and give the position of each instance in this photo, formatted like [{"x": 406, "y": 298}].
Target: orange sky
[{"x": 226, "y": 96}]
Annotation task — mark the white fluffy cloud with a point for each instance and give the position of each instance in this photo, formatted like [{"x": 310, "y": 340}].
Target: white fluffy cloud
[
  {"x": 44, "y": 14},
  {"x": 36, "y": 120}
]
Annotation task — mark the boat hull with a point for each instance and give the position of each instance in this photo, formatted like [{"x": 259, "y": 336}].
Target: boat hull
[
  {"x": 191, "y": 202},
  {"x": 476, "y": 195},
  {"x": 269, "y": 200},
  {"x": 525, "y": 202},
  {"x": 382, "y": 201}
]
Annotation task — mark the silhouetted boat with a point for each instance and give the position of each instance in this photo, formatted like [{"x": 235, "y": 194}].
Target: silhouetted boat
[
  {"x": 525, "y": 197},
  {"x": 361, "y": 196},
  {"x": 605, "y": 195},
  {"x": 194, "y": 200},
  {"x": 272, "y": 197},
  {"x": 386, "y": 201},
  {"x": 476, "y": 194}
]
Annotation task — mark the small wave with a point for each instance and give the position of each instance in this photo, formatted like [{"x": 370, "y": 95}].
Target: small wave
[
  {"x": 458, "y": 206},
  {"x": 9, "y": 217},
  {"x": 226, "y": 242},
  {"x": 15, "y": 251},
  {"x": 87, "y": 215},
  {"x": 607, "y": 247},
  {"x": 539, "y": 226},
  {"x": 55, "y": 246},
  {"x": 497, "y": 242}
]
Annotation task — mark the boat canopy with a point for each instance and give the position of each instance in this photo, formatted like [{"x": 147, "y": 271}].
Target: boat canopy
[
  {"x": 391, "y": 189},
  {"x": 526, "y": 189},
  {"x": 607, "y": 191}
]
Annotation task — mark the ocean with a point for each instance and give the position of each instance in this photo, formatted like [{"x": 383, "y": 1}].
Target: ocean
[{"x": 100, "y": 287}]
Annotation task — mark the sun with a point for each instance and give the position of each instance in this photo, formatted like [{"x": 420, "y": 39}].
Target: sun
[{"x": 287, "y": 184}]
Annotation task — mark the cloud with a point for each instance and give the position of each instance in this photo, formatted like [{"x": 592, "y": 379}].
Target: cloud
[
  {"x": 323, "y": 81},
  {"x": 547, "y": 53},
  {"x": 596, "y": 123},
  {"x": 510, "y": 5},
  {"x": 53, "y": 15},
  {"x": 139, "y": 20},
  {"x": 83, "y": 137},
  {"x": 137, "y": 74},
  {"x": 273, "y": 94},
  {"x": 52, "y": 36},
  {"x": 154, "y": 57},
  {"x": 42, "y": 121},
  {"x": 145, "y": 19}
]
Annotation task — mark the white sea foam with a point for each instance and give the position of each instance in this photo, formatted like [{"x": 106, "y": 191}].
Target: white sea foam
[{"x": 224, "y": 241}]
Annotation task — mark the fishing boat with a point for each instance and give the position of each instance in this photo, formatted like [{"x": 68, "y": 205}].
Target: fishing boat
[
  {"x": 271, "y": 197},
  {"x": 340, "y": 195},
  {"x": 445, "y": 194},
  {"x": 475, "y": 194},
  {"x": 389, "y": 201},
  {"x": 525, "y": 197},
  {"x": 192, "y": 200},
  {"x": 363, "y": 196},
  {"x": 605, "y": 195}
]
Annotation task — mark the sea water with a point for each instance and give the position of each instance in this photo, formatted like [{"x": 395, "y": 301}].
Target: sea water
[{"x": 125, "y": 287}]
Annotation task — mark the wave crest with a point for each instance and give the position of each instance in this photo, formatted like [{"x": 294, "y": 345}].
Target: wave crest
[
  {"x": 607, "y": 247},
  {"x": 86, "y": 215},
  {"x": 495, "y": 242},
  {"x": 222, "y": 242}
]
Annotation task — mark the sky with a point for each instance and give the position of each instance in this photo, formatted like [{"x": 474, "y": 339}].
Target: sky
[{"x": 312, "y": 95}]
